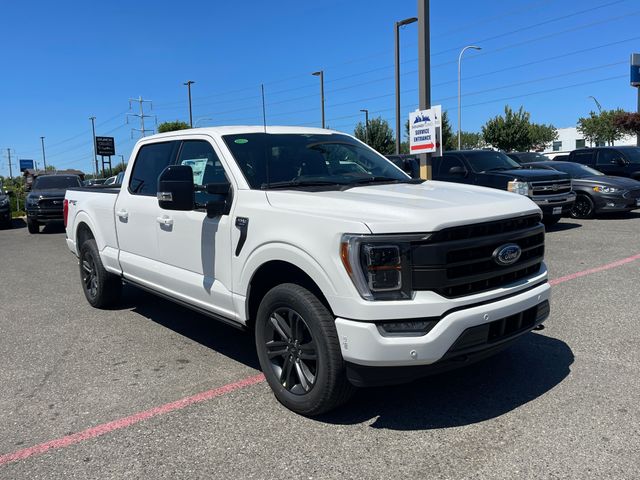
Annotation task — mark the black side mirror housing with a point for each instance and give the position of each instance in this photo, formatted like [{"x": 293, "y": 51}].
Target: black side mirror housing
[
  {"x": 222, "y": 205},
  {"x": 621, "y": 161},
  {"x": 175, "y": 188},
  {"x": 459, "y": 171}
]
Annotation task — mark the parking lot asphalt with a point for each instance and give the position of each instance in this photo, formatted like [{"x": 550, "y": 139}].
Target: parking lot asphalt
[{"x": 560, "y": 403}]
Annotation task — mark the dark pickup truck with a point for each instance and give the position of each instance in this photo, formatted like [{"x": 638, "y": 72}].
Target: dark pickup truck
[
  {"x": 616, "y": 161},
  {"x": 46, "y": 199},
  {"x": 550, "y": 190},
  {"x": 5, "y": 208}
]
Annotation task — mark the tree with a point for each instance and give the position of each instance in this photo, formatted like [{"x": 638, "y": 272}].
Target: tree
[
  {"x": 50, "y": 168},
  {"x": 601, "y": 127},
  {"x": 509, "y": 133},
  {"x": 172, "y": 126},
  {"x": 628, "y": 122},
  {"x": 542, "y": 135},
  {"x": 379, "y": 137},
  {"x": 471, "y": 141}
]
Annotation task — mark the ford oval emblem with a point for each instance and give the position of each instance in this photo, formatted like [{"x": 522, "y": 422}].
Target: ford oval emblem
[{"x": 507, "y": 254}]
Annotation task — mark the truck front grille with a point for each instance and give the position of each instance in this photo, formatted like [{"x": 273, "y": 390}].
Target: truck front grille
[
  {"x": 51, "y": 203},
  {"x": 459, "y": 261},
  {"x": 551, "y": 187}
]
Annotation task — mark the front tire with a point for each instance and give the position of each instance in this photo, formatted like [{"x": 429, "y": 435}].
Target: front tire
[
  {"x": 101, "y": 288},
  {"x": 583, "y": 207},
  {"x": 299, "y": 351},
  {"x": 32, "y": 226}
]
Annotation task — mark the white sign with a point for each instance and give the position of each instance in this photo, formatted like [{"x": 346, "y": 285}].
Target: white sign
[{"x": 422, "y": 131}]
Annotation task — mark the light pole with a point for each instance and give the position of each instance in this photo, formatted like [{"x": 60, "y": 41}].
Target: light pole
[
  {"x": 473, "y": 47},
  {"x": 188, "y": 83},
  {"x": 95, "y": 155},
  {"x": 366, "y": 125},
  {"x": 320, "y": 73},
  {"x": 399, "y": 24},
  {"x": 122, "y": 161},
  {"x": 198, "y": 120},
  {"x": 44, "y": 161},
  {"x": 597, "y": 103}
]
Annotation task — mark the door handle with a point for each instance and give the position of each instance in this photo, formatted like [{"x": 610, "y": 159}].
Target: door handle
[
  {"x": 168, "y": 221},
  {"x": 123, "y": 214}
]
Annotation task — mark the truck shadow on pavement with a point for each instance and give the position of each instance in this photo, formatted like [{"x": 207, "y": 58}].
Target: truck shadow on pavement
[
  {"x": 562, "y": 227},
  {"x": 528, "y": 369}
]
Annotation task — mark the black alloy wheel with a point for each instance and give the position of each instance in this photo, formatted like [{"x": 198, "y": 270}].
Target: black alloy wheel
[
  {"x": 89, "y": 275},
  {"x": 101, "y": 288},
  {"x": 291, "y": 350},
  {"x": 583, "y": 207}
]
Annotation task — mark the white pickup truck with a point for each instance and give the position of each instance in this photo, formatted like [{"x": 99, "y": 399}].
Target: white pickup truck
[{"x": 348, "y": 272}]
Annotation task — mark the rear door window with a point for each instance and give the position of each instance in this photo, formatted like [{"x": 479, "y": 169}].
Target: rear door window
[
  {"x": 151, "y": 160},
  {"x": 585, "y": 158}
]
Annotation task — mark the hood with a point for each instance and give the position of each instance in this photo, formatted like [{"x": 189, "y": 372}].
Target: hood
[
  {"x": 405, "y": 208},
  {"x": 609, "y": 181},
  {"x": 530, "y": 175},
  {"x": 49, "y": 193}
]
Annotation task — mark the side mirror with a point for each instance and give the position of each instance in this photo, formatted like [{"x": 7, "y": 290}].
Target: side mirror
[
  {"x": 222, "y": 205},
  {"x": 175, "y": 188},
  {"x": 620, "y": 161},
  {"x": 458, "y": 171}
]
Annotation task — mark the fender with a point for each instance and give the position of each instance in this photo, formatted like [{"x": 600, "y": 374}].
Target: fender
[{"x": 108, "y": 253}]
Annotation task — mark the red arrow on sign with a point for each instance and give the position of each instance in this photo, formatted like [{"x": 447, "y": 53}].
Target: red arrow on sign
[{"x": 426, "y": 146}]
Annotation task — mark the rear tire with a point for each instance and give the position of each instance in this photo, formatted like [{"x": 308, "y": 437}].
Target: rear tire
[
  {"x": 32, "y": 226},
  {"x": 299, "y": 351},
  {"x": 101, "y": 288},
  {"x": 583, "y": 207}
]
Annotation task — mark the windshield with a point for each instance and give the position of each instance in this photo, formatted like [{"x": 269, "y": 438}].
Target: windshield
[
  {"x": 56, "y": 182},
  {"x": 528, "y": 157},
  {"x": 290, "y": 160},
  {"x": 632, "y": 154},
  {"x": 575, "y": 170},
  {"x": 486, "y": 160}
]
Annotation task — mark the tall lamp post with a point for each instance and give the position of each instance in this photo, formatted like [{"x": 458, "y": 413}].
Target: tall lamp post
[
  {"x": 188, "y": 83},
  {"x": 468, "y": 47},
  {"x": 399, "y": 24},
  {"x": 95, "y": 155},
  {"x": 597, "y": 103},
  {"x": 320, "y": 73},
  {"x": 44, "y": 160},
  {"x": 366, "y": 125}
]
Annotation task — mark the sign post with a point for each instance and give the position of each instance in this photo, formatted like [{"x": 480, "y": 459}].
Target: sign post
[
  {"x": 422, "y": 131},
  {"x": 105, "y": 147}
]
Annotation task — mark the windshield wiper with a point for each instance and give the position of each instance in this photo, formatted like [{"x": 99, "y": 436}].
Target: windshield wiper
[
  {"x": 299, "y": 183},
  {"x": 501, "y": 168}
]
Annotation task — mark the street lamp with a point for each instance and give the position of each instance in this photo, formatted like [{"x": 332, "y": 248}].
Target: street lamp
[
  {"x": 366, "y": 124},
  {"x": 44, "y": 161},
  {"x": 202, "y": 119},
  {"x": 320, "y": 73},
  {"x": 188, "y": 83},
  {"x": 597, "y": 103},
  {"x": 472, "y": 47},
  {"x": 399, "y": 24}
]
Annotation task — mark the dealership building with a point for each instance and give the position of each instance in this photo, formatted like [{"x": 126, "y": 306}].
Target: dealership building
[{"x": 570, "y": 139}]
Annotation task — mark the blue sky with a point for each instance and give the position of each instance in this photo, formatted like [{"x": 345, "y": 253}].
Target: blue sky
[{"x": 65, "y": 61}]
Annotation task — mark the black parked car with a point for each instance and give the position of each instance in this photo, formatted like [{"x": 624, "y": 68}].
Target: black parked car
[
  {"x": 597, "y": 192},
  {"x": 527, "y": 157},
  {"x": 618, "y": 161},
  {"x": 550, "y": 190},
  {"x": 5, "y": 208},
  {"x": 407, "y": 162},
  {"x": 46, "y": 199}
]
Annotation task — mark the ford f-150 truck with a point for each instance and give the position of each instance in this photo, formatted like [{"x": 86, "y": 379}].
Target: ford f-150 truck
[{"x": 348, "y": 272}]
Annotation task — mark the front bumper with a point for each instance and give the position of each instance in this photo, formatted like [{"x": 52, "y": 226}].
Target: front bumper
[
  {"x": 363, "y": 344},
  {"x": 5, "y": 214},
  {"x": 616, "y": 203},
  {"x": 45, "y": 215},
  {"x": 554, "y": 205}
]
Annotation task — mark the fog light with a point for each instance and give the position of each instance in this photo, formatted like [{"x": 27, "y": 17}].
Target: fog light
[
  {"x": 406, "y": 327},
  {"x": 611, "y": 204}
]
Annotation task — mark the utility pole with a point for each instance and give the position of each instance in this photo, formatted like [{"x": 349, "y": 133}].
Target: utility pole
[
  {"x": 424, "y": 75},
  {"x": 44, "y": 160},
  {"x": 320, "y": 73},
  {"x": 95, "y": 155},
  {"x": 9, "y": 157},
  {"x": 188, "y": 83},
  {"x": 366, "y": 125},
  {"x": 140, "y": 115}
]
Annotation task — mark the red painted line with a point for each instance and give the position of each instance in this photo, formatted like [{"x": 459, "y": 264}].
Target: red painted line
[
  {"x": 99, "y": 430},
  {"x": 608, "y": 266},
  {"x": 104, "y": 428}
]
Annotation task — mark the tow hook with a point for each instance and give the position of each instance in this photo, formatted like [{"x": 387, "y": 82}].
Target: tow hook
[{"x": 539, "y": 327}]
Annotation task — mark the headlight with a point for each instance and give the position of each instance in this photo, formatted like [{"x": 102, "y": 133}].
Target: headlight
[
  {"x": 603, "y": 189},
  {"x": 32, "y": 201},
  {"x": 4, "y": 202},
  {"x": 379, "y": 265},
  {"x": 518, "y": 187}
]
